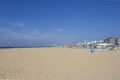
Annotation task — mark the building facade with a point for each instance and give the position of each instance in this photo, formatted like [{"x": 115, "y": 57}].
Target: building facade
[{"x": 112, "y": 40}]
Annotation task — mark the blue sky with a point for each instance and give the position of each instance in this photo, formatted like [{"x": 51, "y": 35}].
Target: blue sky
[{"x": 44, "y": 22}]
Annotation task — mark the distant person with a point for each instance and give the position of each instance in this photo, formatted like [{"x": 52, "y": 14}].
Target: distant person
[
  {"x": 116, "y": 48},
  {"x": 93, "y": 49}
]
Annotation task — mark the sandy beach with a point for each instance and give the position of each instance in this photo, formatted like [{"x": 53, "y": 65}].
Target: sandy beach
[{"x": 59, "y": 64}]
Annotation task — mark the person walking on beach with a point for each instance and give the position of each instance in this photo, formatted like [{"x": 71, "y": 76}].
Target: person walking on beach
[{"x": 93, "y": 49}]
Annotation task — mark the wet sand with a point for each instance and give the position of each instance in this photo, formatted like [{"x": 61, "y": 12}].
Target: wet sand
[{"x": 59, "y": 64}]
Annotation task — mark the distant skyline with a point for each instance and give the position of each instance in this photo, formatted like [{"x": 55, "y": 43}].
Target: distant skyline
[{"x": 47, "y": 22}]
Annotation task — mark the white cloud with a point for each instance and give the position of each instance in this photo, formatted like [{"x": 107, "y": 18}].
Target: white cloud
[
  {"x": 11, "y": 23},
  {"x": 60, "y": 29},
  {"x": 24, "y": 32},
  {"x": 3, "y": 21},
  {"x": 27, "y": 34},
  {"x": 17, "y": 24}
]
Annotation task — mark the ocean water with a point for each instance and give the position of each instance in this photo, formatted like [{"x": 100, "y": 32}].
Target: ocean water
[{"x": 6, "y": 47}]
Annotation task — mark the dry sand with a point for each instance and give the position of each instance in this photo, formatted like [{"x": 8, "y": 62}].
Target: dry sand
[{"x": 59, "y": 64}]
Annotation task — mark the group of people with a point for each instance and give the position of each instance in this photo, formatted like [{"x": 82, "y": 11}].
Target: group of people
[
  {"x": 115, "y": 47},
  {"x": 93, "y": 48}
]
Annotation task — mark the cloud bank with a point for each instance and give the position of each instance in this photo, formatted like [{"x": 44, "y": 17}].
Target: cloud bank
[{"x": 19, "y": 32}]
